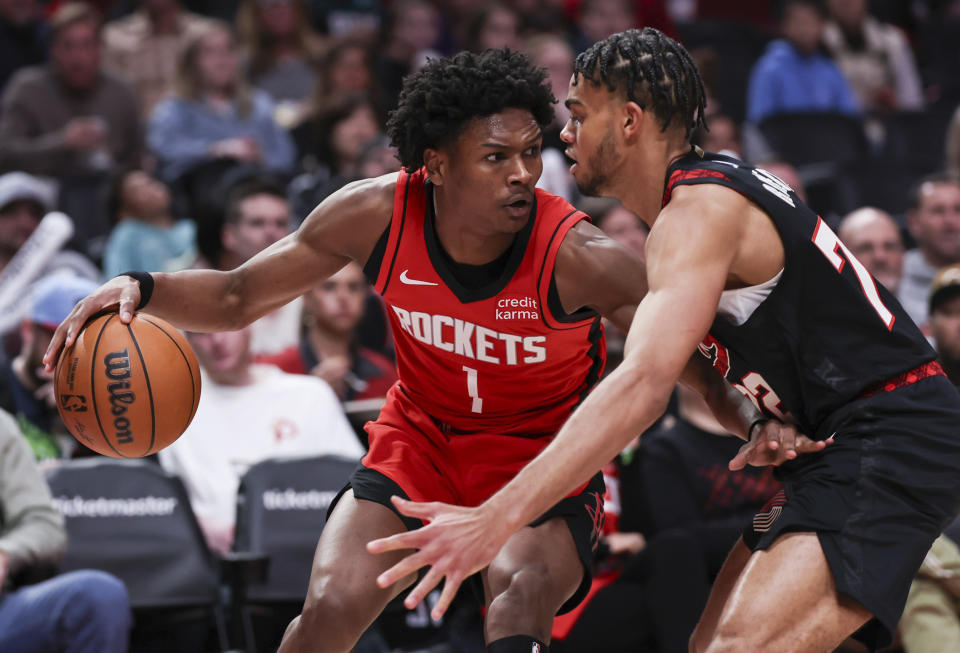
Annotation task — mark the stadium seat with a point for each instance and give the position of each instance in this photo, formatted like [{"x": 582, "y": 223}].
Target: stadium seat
[{"x": 132, "y": 519}]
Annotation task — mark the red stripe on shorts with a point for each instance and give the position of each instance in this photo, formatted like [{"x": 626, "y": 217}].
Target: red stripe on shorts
[{"x": 931, "y": 368}]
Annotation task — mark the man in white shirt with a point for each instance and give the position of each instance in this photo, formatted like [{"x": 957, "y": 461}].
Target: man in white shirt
[{"x": 248, "y": 413}]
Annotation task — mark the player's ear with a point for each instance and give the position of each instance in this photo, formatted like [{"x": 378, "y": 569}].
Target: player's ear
[
  {"x": 632, "y": 116},
  {"x": 435, "y": 162}
]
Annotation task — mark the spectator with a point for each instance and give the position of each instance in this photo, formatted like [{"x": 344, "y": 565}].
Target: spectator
[
  {"x": 146, "y": 237},
  {"x": 493, "y": 26},
  {"x": 82, "y": 611},
  {"x": 723, "y": 137},
  {"x": 411, "y": 29},
  {"x": 282, "y": 52},
  {"x": 257, "y": 216},
  {"x": 874, "y": 238},
  {"x": 555, "y": 55},
  {"x": 214, "y": 114},
  {"x": 71, "y": 121},
  {"x": 34, "y": 400},
  {"x": 793, "y": 75},
  {"x": 931, "y": 620},
  {"x": 23, "y": 37},
  {"x": 598, "y": 19},
  {"x": 248, "y": 413},
  {"x": 945, "y": 320},
  {"x": 335, "y": 137},
  {"x": 875, "y": 58},
  {"x": 329, "y": 349},
  {"x": 24, "y": 200},
  {"x": 934, "y": 223},
  {"x": 345, "y": 71},
  {"x": 143, "y": 47},
  {"x": 953, "y": 144}
]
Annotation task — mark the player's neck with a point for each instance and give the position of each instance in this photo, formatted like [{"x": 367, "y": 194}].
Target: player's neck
[
  {"x": 460, "y": 237},
  {"x": 641, "y": 188}
]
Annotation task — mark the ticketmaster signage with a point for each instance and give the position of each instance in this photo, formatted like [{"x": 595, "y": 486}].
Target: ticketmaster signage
[
  {"x": 290, "y": 499},
  {"x": 77, "y": 506}
]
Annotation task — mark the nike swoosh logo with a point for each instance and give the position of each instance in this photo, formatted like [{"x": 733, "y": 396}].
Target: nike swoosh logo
[{"x": 415, "y": 282}]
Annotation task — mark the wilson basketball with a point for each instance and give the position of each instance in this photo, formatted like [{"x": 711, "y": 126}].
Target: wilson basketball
[{"x": 127, "y": 391}]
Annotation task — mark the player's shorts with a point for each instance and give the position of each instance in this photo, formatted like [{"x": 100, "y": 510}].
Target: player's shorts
[
  {"x": 414, "y": 457},
  {"x": 877, "y": 497}
]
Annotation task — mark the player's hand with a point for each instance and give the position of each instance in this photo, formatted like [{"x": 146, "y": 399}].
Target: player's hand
[
  {"x": 774, "y": 443},
  {"x": 121, "y": 292},
  {"x": 455, "y": 543}
]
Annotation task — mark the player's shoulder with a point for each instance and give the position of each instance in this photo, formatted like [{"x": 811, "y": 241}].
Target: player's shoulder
[{"x": 554, "y": 206}]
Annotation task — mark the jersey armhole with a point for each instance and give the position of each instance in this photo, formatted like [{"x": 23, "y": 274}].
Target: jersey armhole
[
  {"x": 556, "y": 306},
  {"x": 371, "y": 269}
]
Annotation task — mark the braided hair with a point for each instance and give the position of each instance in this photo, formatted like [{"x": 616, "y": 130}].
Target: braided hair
[
  {"x": 438, "y": 101},
  {"x": 652, "y": 70}
]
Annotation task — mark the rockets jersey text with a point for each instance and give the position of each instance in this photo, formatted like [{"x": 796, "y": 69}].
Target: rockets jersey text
[{"x": 502, "y": 358}]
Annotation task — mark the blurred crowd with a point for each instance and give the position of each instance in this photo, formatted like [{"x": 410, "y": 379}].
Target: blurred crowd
[{"x": 163, "y": 135}]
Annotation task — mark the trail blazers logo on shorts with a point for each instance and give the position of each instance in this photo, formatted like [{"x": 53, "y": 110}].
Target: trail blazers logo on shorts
[
  {"x": 535, "y": 648},
  {"x": 764, "y": 519}
]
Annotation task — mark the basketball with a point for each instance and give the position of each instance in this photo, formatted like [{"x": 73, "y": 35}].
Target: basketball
[{"x": 127, "y": 391}]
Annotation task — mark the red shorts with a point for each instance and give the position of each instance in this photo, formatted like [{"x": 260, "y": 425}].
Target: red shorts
[{"x": 430, "y": 463}]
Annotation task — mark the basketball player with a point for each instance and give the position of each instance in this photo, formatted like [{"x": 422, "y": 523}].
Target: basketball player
[
  {"x": 495, "y": 292},
  {"x": 741, "y": 270}
]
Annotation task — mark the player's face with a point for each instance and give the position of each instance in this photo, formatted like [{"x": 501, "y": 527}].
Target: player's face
[
  {"x": 878, "y": 246},
  {"x": 936, "y": 222},
  {"x": 264, "y": 219},
  {"x": 945, "y": 327},
  {"x": 493, "y": 167},
  {"x": 589, "y": 133},
  {"x": 337, "y": 303},
  {"x": 224, "y": 355}
]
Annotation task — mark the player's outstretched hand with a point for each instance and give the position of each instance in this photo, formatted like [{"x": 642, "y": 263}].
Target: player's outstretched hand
[
  {"x": 455, "y": 543},
  {"x": 774, "y": 443},
  {"x": 121, "y": 292}
]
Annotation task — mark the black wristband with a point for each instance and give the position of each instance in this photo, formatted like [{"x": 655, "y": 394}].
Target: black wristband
[
  {"x": 761, "y": 421},
  {"x": 145, "y": 279}
]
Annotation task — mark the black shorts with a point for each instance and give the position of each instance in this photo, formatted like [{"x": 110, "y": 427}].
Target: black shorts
[
  {"x": 583, "y": 514},
  {"x": 877, "y": 497}
]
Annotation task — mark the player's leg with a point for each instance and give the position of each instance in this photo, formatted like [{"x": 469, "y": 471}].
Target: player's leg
[
  {"x": 785, "y": 600},
  {"x": 530, "y": 579},
  {"x": 719, "y": 595},
  {"x": 343, "y": 598}
]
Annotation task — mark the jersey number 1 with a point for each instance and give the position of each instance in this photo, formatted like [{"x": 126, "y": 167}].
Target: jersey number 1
[
  {"x": 472, "y": 389},
  {"x": 830, "y": 245}
]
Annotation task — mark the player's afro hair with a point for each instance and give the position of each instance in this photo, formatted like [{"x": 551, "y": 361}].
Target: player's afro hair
[
  {"x": 651, "y": 69},
  {"x": 438, "y": 101}
]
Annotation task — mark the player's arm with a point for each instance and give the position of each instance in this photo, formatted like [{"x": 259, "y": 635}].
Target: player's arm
[
  {"x": 344, "y": 226},
  {"x": 595, "y": 271},
  {"x": 686, "y": 272}
]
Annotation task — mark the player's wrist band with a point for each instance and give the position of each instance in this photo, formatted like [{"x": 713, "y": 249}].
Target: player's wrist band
[
  {"x": 145, "y": 279},
  {"x": 760, "y": 421}
]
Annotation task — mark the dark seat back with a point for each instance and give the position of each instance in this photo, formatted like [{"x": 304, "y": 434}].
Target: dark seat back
[
  {"x": 282, "y": 507},
  {"x": 132, "y": 519}
]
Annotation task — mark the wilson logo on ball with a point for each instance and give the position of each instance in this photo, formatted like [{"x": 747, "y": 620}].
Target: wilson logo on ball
[{"x": 118, "y": 370}]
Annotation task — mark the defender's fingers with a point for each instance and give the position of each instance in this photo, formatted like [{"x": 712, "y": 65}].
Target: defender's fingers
[
  {"x": 416, "y": 509},
  {"x": 743, "y": 456},
  {"x": 405, "y": 540},
  {"x": 449, "y": 593},
  {"x": 409, "y": 565},
  {"x": 424, "y": 587}
]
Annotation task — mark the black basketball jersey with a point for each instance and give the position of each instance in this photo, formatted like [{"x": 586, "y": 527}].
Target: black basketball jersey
[{"x": 826, "y": 332}]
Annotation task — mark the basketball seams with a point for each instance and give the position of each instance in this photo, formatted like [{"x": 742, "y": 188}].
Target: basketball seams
[
  {"x": 146, "y": 377},
  {"x": 193, "y": 384},
  {"x": 93, "y": 386}
]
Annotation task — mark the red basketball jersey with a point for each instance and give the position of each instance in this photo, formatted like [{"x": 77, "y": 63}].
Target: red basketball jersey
[{"x": 503, "y": 358}]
